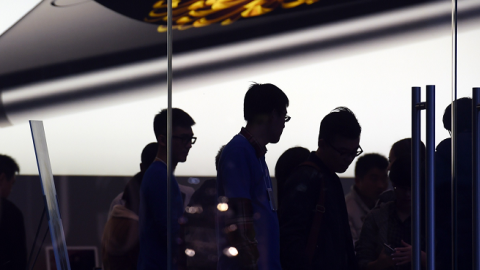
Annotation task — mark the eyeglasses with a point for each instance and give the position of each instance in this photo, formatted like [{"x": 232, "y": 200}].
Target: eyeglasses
[
  {"x": 357, "y": 153},
  {"x": 186, "y": 139},
  {"x": 287, "y": 118}
]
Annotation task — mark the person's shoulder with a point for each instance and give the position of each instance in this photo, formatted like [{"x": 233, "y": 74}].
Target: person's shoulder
[
  {"x": 10, "y": 209},
  {"x": 350, "y": 201},
  {"x": 305, "y": 175},
  {"x": 350, "y": 195},
  {"x": 10, "y": 206},
  {"x": 380, "y": 214},
  {"x": 444, "y": 146},
  {"x": 237, "y": 142},
  {"x": 156, "y": 171},
  {"x": 155, "y": 168},
  {"x": 237, "y": 146}
]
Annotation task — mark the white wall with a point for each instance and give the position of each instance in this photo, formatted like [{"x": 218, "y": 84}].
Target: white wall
[{"x": 373, "y": 79}]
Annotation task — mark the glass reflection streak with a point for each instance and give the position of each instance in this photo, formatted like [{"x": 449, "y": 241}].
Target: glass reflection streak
[{"x": 50, "y": 195}]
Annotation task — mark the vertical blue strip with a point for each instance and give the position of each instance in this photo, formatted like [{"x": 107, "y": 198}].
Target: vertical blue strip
[
  {"x": 430, "y": 178},
  {"x": 476, "y": 179},
  {"x": 416, "y": 178}
]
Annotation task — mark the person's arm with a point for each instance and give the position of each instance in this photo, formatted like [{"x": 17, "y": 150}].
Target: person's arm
[
  {"x": 240, "y": 232},
  {"x": 353, "y": 231},
  {"x": 367, "y": 247},
  {"x": 156, "y": 198},
  {"x": 16, "y": 240},
  {"x": 235, "y": 176},
  {"x": 383, "y": 261},
  {"x": 295, "y": 217}
]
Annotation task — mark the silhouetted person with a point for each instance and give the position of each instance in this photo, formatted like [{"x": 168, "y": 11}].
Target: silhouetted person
[
  {"x": 153, "y": 193},
  {"x": 200, "y": 231},
  {"x": 401, "y": 149},
  {"x": 371, "y": 179},
  {"x": 148, "y": 155},
  {"x": 286, "y": 163},
  {"x": 390, "y": 224},
  {"x": 314, "y": 229},
  {"x": 243, "y": 179},
  {"x": 13, "y": 250},
  {"x": 120, "y": 244},
  {"x": 464, "y": 189}
]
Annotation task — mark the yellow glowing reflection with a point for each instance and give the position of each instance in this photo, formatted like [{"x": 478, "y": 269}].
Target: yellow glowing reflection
[
  {"x": 200, "y": 13},
  {"x": 222, "y": 207}
]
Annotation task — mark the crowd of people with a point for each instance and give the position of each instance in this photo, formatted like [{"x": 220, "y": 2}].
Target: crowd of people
[{"x": 238, "y": 220}]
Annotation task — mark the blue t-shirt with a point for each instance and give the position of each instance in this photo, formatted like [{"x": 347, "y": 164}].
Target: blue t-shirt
[
  {"x": 242, "y": 175},
  {"x": 153, "y": 217}
]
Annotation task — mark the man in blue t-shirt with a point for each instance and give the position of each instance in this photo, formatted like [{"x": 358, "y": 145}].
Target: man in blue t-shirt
[
  {"x": 248, "y": 231},
  {"x": 153, "y": 193}
]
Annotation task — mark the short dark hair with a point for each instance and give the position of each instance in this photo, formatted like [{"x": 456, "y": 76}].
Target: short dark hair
[
  {"x": 369, "y": 161},
  {"x": 149, "y": 153},
  {"x": 8, "y": 166},
  {"x": 341, "y": 122},
  {"x": 464, "y": 115},
  {"x": 288, "y": 161},
  {"x": 179, "y": 119},
  {"x": 285, "y": 166},
  {"x": 263, "y": 99},
  {"x": 131, "y": 192},
  {"x": 403, "y": 149},
  {"x": 401, "y": 172}
]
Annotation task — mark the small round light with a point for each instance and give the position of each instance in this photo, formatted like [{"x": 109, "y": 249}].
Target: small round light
[
  {"x": 230, "y": 252},
  {"x": 232, "y": 228},
  {"x": 222, "y": 207},
  {"x": 190, "y": 252}
]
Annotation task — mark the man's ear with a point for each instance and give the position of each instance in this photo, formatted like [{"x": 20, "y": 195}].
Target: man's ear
[
  {"x": 321, "y": 143},
  {"x": 162, "y": 140},
  {"x": 261, "y": 119},
  {"x": 3, "y": 177}
]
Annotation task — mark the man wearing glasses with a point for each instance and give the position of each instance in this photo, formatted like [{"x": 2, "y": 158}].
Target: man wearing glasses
[
  {"x": 248, "y": 232},
  {"x": 314, "y": 228},
  {"x": 153, "y": 193}
]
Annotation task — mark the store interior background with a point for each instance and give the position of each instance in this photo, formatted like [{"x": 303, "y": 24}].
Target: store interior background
[{"x": 96, "y": 150}]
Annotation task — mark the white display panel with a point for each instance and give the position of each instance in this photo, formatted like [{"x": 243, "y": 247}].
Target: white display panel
[{"x": 50, "y": 195}]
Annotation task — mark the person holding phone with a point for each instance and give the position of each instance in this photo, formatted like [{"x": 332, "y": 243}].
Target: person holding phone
[
  {"x": 314, "y": 228},
  {"x": 385, "y": 238}
]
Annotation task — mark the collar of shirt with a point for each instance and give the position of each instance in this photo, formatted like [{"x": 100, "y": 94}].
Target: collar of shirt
[
  {"x": 260, "y": 150},
  {"x": 315, "y": 159},
  {"x": 359, "y": 200},
  {"x": 158, "y": 159}
]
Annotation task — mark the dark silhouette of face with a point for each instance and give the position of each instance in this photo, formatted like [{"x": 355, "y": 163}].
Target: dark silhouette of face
[
  {"x": 339, "y": 154},
  {"x": 181, "y": 143},
  {"x": 373, "y": 183},
  {"x": 276, "y": 125}
]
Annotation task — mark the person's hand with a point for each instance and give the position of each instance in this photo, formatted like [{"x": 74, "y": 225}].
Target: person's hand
[
  {"x": 383, "y": 261},
  {"x": 402, "y": 255}
]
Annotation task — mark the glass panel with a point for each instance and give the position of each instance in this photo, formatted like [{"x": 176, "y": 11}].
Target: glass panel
[
  {"x": 97, "y": 79},
  {"x": 466, "y": 67}
]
